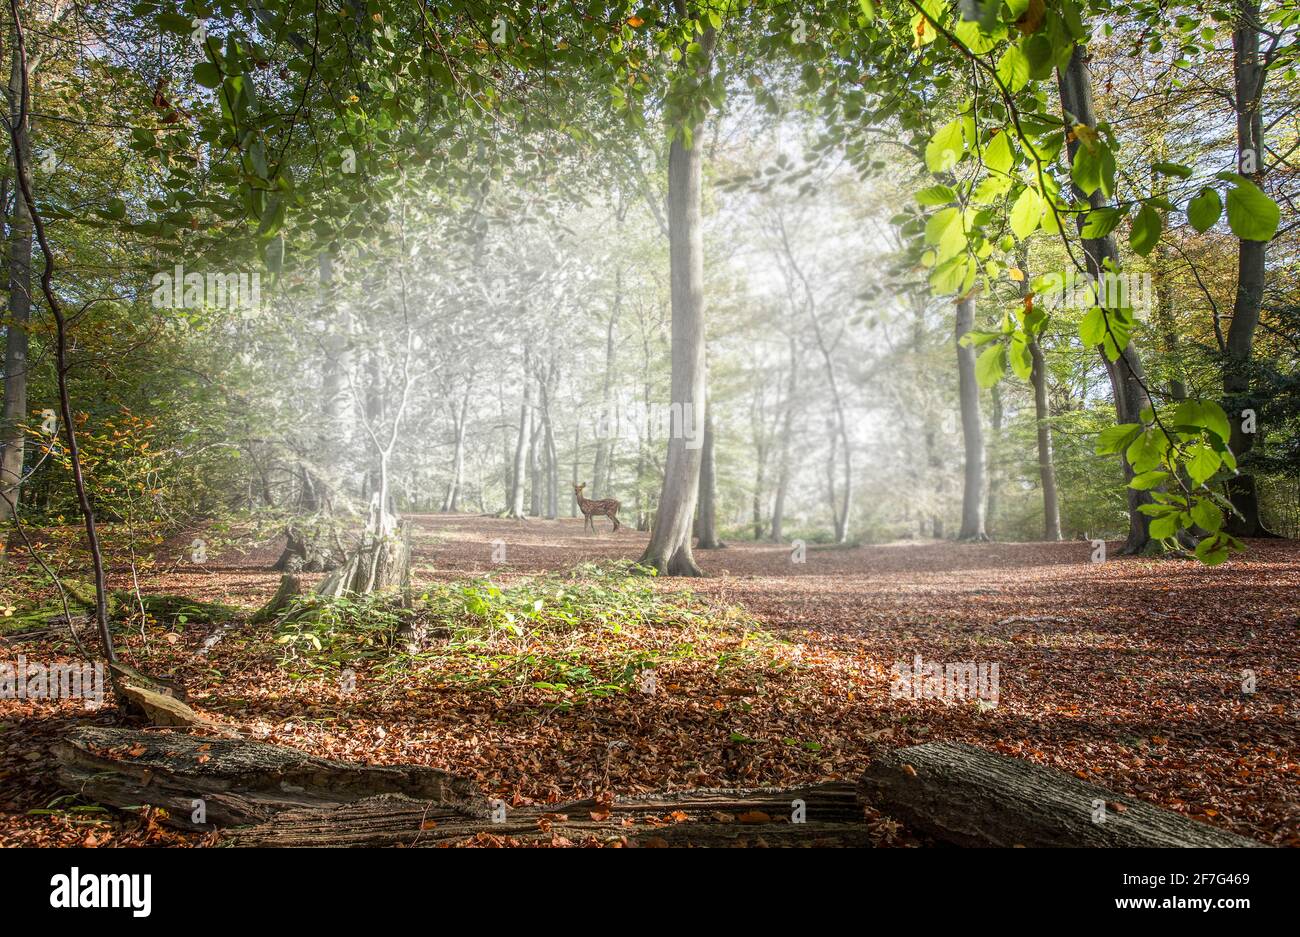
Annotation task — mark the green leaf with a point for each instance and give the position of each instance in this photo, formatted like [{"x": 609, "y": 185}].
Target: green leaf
[
  {"x": 1252, "y": 215},
  {"x": 1085, "y": 169},
  {"x": 1013, "y": 69},
  {"x": 936, "y": 195},
  {"x": 1022, "y": 361},
  {"x": 998, "y": 155},
  {"x": 1203, "y": 414},
  {"x": 1092, "y": 327},
  {"x": 207, "y": 75},
  {"x": 945, "y": 147},
  {"x": 1207, "y": 515},
  {"x": 1149, "y": 480},
  {"x": 939, "y": 224},
  {"x": 1145, "y": 231},
  {"x": 1165, "y": 526},
  {"x": 1202, "y": 462},
  {"x": 975, "y": 339},
  {"x": 1116, "y": 438},
  {"x": 1204, "y": 210},
  {"x": 1214, "y": 550},
  {"x": 1026, "y": 213},
  {"x": 174, "y": 23},
  {"x": 991, "y": 365},
  {"x": 1100, "y": 222},
  {"x": 1172, "y": 169}
]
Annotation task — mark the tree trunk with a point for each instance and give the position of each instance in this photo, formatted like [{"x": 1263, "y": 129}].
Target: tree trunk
[
  {"x": 451, "y": 501},
  {"x": 12, "y": 441},
  {"x": 515, "y": 509},
  {"x": 972, "y": 430},
  {"x": 604, "y": 441},
  {"x": 995, "y": 435},
  {"x": 706, "y": 524},
  {"x": 1046, "y": 458},
  {"x": 787, "y": 430},
  {"x": 669, "y": 551},
  {"x": 1248, "y": 75},
  {"x": 1127, "y": 378}
]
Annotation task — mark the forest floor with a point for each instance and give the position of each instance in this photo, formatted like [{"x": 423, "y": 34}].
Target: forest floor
[{"x": 1128, "y": 673}]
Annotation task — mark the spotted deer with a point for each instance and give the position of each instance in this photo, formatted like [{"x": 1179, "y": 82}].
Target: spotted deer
[{"x": 592, "y": 509}]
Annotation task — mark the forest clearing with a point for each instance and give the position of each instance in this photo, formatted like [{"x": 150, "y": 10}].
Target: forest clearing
[
  {"x": 792, "y": 686},
  {"x": 864, "y": 424}
]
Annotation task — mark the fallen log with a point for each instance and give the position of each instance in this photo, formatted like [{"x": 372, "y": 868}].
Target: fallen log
[
  {"x": 239, "y": 782},
  {"x": 966, "y": 796},
  {"x": 832, "y": 817}
]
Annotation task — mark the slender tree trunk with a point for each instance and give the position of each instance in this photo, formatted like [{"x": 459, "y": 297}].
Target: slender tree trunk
[
  {"x": 1046, "y": 459},
  {"x": 516, "y": 507},
  {"x": 12, "y": 441},
  {"x": 1043, "y": 426},
  {"x": 1248, "y": 74},
  {"x": 777, "y": 533},
  {"x": 604, "y": 442},
  {"x": 1127, "y": 378},
  {"x": 451, "y": 503},
  {"x": 577, "y": 443},
  {"x": 972, "y": 430},
  {"x": 995, "y": 436},
  {"x": 706, "y": 525},
  {"x": 669, "y": 551}
]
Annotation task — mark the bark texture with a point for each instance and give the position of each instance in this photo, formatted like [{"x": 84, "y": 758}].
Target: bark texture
[{"x": 966, "y": 796}]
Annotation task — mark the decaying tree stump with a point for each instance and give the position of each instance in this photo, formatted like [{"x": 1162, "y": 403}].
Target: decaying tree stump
[
  {"x": 311, "y": 546},
  {"x": 379, "y": 564},
  {"x": 240, "y": 782},
  {"x": 967, "y": 796},
  {"x": 289, "y": 589}
]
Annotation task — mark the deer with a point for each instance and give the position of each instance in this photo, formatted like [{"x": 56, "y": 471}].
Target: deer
[{"x": 607, "y": 507}]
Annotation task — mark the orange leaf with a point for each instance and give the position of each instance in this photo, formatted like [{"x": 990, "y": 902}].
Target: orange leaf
[{"x": 755, "y": 816}]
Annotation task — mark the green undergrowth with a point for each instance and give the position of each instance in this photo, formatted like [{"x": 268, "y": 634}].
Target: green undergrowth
[{"x": 597, "y": 631}]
